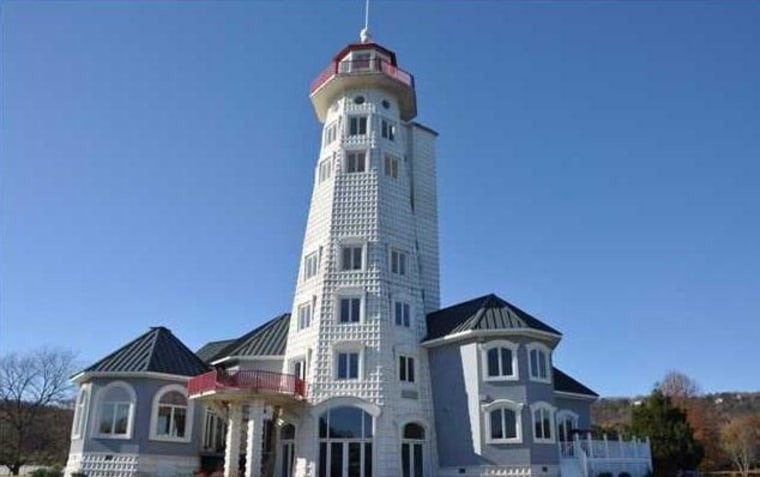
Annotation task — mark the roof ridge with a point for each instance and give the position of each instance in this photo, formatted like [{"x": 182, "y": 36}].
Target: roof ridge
[
  {"x": 156, "y": 331},
  {"x": 481, "y": 310}
]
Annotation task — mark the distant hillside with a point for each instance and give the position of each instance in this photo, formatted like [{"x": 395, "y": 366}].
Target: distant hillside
[{"x": 616, "y": 412}]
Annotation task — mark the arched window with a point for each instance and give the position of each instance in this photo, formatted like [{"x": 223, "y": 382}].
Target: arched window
[
  {"x": 543, "y": 417},
  {"x": 116, "y": 411},
  {"x": 499, "y": 359},
  {"x": 412, "y": 451},
  {"x": 171, "y": 416},
  {"x": 80, "y": 412},
  {"x": 345, "y": 442},
  {"x": 539, "y": 362},
  {"x": 503, "y": 422}
]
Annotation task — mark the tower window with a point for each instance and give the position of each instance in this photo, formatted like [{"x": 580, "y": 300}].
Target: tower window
[
  {"x": 398, "y": 262},
  {"x": 304, "y": 316},
  {"x": 350, "y": 310},
  {"x": 388, "y": 130},
  {"x": 406, "y": 369},
  {"x": 310, "y": 265},
  {"x": 357, "y": 125},
  {"x": 324, "y": 170},
  {"x": 391, "y": 166},
  {"x": 386, "y": 104},
  {"x": 356, "y": 162},
  {"x": 402, "y": 313},
  {"x": 351, "y": 257},
  {"x": 359, "y": 99},
  {"x": 331, "y": 133},
  {"x": 299, "y": 368},
  {"x": 539, "y": 362},
  {"x": 348, "y": 366}
]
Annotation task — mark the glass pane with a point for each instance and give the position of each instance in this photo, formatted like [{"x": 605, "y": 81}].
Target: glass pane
[
  {"x": 493, "y": 362},
  {"x": 179, "y": 421},
  {"x": 173, "y": 397},
  {"x": 323, "y": 425},
  {"x": 496, "y": 430},
  {"x": 410, "y": 366},
  {"x": 358, "y": 250},
  {"x": 117, "y": 393},
  {"x": 342, "y": 366},
  {"x": 347, "y": 256},
  {"x": 405, "y": 464},
  {"x": 406, "y": 315},
  {"x": 285, "y": 467},
  {"x": 510, "y": 424},
  {"x": 417, "y": 460},
  {"x": 402, "y": 368},
  {"x": 336, "y": 459},
  {"x": 547, "y": 428},
  {"x": 537, "y": 424},
  {"x": 106, "y": 418},
  {"x": 288, "y": 431},
  {"x": 122, "y": 418},
  {"x": 345, "y": 305},
  {"x": 399, "y": 313},
  {"x": 354, "y": 459},
  {"x": 506, "y": 362},
  {"x": 534, "y": 363},
  {"x": 355, "y": 308},
  {"x": 542, "y": 364},
  {"x": 367, "y": 424},
  {"x": 368, "y": 459},
  {"x": 346, "y": 422},
  {"x": 322, "y": 459},
  {"x": 164, "y": 420},
  {"x": 414, "y": 431},
  {"x": 353, "y": 365}
]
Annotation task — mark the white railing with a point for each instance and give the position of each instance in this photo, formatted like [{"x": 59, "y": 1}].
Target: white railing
[{"x": 595, "y": 456}]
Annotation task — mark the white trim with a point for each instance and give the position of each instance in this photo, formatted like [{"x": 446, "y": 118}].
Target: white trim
[
  {"x": 352, "y": 242},
  {"x": 348, "y": 347},
  {"x": 538, "y": 346},
  {"x": 95, "y": 431},
  {"x": 545, "y": 406},
  {"x": 85, "y": 375},
  {"x": 486, "y": 347},
  {"x": 470, "y": 334},
  {"x": 513, "y": 406},
  {"x": 585, "y": 397},
  {"x": 318, "y": 409},
  {"x": 189, "y": 408},
  {"x": 347, "y": 294},
  {"x": 249, "y": 358},
  {"x": 81, "y": 411}
]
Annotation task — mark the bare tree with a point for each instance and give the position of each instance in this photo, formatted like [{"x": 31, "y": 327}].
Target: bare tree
[
  {"x": 741, "y": 441},
  {"x": 679, "y": 387},
  {"x": 32, "y": 387}
]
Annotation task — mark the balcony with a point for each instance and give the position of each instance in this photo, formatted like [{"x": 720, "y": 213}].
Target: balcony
[
  {"x": 245, "y": 384},
  {"x": 588, "y": 457},
  {"x": 363, "y": 73}
]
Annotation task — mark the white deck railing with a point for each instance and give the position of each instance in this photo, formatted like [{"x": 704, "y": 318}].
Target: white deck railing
[{"x": 595, "y": 456}]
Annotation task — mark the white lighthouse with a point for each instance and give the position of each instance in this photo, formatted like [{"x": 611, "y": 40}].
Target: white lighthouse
[{"x": 368, "y": 276}]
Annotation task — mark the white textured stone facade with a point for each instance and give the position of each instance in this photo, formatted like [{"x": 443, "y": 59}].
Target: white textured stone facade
[{"x": 381, "y": 213}]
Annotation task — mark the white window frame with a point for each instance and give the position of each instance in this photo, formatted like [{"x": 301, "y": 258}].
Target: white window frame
[
  {"x": 331, "y": 133},
  {"x": 391, "y": 166},
  {"x": 309, "y": 271},
  {"x": 486, "y": 347},
  {"x": 403, "y": 304},
  {"x": 81, "y": 411},
  {"x": 348, "y": 347},
  {"x": 358, "y": 118},
  {"x": 347, "y": 161},
  {"x": 548, "y": 408},
  {"x": 99, "y": 411},
  {"x": 294, "y": 362},
  {"x": 406, "y": 357},
  {"x": 534, "y": 374},
  {"x": 499, "y": 404},
  {"x": 324, "y": 170},
  {"x": 299, "y": 323},
  {"x": 402, "y": 257},
  {"x": 363, "y": 255},
  {"x": 189, "y": 408},
  {"x": 338, "y": 307},
  {"x": 388, "y": 129}
]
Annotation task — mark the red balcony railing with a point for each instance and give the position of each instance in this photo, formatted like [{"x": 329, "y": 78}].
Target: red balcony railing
[
  {"x": 361, "y": 66},
  {"x": 252, "y": 380}
]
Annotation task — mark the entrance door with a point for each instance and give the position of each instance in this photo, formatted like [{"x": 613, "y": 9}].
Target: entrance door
[
  {"x": 565, "y": 425},
  {"x": 412, "y": 451},
  {"x": 287, "y": 450},
  {"x": 345, "y": 443}
]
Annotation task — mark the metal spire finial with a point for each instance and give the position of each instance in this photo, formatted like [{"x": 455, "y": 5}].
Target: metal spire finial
[{"x": 365, "y": 35}]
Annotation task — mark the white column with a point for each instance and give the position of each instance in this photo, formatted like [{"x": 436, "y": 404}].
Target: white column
[
  {"x": 255, "y": 435},
  {"x": 232, "y": 445}
]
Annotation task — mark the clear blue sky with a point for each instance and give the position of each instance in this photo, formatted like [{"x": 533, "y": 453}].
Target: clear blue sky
[{"x": 599, "y": 166}]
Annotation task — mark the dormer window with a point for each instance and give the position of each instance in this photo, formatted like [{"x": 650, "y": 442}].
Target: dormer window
[
  {"x": 539, "y": 363},
  {"x": 499, "y": 361}
]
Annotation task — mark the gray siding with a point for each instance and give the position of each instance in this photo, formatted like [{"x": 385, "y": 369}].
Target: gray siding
[
  {"x": 145, "y": 389},
  {"x": 582, "y": 407}
]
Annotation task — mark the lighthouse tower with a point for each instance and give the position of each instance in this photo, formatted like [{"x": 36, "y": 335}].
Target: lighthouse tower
[{"x": 368, "y": 276}]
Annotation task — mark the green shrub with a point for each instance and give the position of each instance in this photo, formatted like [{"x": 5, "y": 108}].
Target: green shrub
[{"x": 47, "y": 472}]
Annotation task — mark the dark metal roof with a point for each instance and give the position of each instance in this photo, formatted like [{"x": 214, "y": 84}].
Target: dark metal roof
[
  {"x": 566, "y": 384},
  {"x": 268, "y": 339},
  {"x": 157, "y": 351},
  {"x": 212, "y": 348},
  {"x": 488, "y": 312}
]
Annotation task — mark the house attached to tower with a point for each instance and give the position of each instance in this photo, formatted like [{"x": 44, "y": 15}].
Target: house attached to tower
[{"x": 367, "y": 376}]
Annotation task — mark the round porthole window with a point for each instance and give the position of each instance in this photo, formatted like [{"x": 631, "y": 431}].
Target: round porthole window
[
  {"x": 359, "y": 100},
  {"x": 386, "y": 104}
]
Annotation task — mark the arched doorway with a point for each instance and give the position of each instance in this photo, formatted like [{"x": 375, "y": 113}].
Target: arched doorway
[
  {"x": 413, "y": 451},
  {"x": 287, "y": 449},
  {"x": 345, "y": 443},
  {"x": 566, "y": 422}
]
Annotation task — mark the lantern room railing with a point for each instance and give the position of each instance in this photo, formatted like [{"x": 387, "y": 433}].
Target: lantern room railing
[
  {"x": 362, "y": 66},
  {"x": 250, "y": 380}
]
